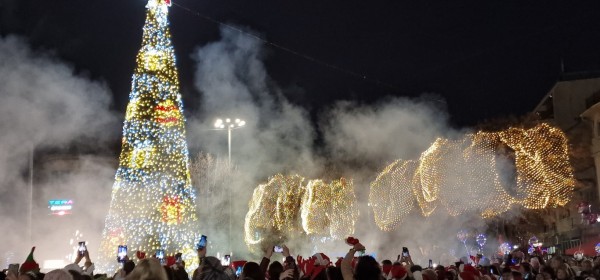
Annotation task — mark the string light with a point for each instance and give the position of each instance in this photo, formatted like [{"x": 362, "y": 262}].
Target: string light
[
  {"x": 153, "y": 201},
  {"x": 286, "y": 208},
  {"x": 484, "y": 173}
]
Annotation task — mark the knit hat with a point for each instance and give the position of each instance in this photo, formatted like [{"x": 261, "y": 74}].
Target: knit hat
[
  {"x": 30, "y": 264},
  {"x": 321, "y": 259},
  {"x": 399, "y": 272}
]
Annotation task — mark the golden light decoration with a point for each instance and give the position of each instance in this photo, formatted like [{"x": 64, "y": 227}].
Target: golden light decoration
[
  {"x": 391, "y": 197},
  {"x": 153, "y": 200},
  {"x": 483, "y": 173},
  {"x": 286, "y": 207}
]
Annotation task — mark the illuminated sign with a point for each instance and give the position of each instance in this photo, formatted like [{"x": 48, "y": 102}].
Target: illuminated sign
[{"x": 60, "y": 207}]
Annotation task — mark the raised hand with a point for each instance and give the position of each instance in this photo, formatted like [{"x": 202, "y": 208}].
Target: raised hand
[
  {"x": 286, "y": 251},
  {"x": 286, "y": 274},
  {"x": 269, "y": 252}
]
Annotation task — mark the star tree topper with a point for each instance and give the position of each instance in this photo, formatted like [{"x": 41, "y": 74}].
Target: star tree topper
[{"x": 154, "y": 3}]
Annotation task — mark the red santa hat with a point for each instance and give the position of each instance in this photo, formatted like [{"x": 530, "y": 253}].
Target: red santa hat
[
  {"x": 470, "y": 268},
  {"x": 321, "y": 259},
  {"x": 338, "y": 263},
  {"x": 386, "y": 268},
  {"x": 398, "y": 272},
  {"x": 237, "y": 264}
]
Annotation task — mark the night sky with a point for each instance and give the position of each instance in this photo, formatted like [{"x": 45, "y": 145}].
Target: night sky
[{"x": 487, "y": 59}]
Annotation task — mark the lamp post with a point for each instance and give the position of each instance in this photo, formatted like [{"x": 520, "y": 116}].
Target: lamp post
[{"x": 229, "y": 125}]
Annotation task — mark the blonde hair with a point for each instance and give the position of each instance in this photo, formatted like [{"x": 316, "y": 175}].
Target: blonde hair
[{"x": 148, "y": 269}]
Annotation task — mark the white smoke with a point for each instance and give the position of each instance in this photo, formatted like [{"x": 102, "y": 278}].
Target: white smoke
[
  {"x": 357, "y": 141},
  {"x": 44, "y": 105}
]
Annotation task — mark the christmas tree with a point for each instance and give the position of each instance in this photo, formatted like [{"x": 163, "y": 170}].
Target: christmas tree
[{"x": 153, "y": 201}]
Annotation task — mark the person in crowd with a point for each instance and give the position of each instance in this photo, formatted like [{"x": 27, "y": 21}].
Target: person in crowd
[
  {"x": 562, "y": 273},
  {"x": 334, "y": 273},
  {"x": 169, "y": 272},
  {"x": 201, "y": 256},
  {"x": 429, "y": 274},
  {"x": 398, "y": 272},
  {"x": 179, "y": 272},
  {"x": 58, "y": 274},
  {"x": 75, "y": 274},
  {"x": 264, "y": 263},
  {"x": 596, "y": 271},
  {"x": 526, "y": 270},
  {"x": 210, "y": 269},
  {"x": 272, "y": 271},
  {"x": 586, "y": 268},
  {"x": 251, "y": 271},
  {"x": 556, "y": 262},
  {"x": 441, "y": 272},
  {"x": 506, "y": 274},
  {"x": 290, "y": 269},
  {"x": 321, "y": 262},
  {"x": 30, "y": 265},
  {"x": 127, "y": 268},
  {"x": 11, "y": 275},
  {"x": 535, "y": 265},
  {"x": 516, "y": 275},
  {"x": 275, "y": 269},
  {"x": 88, "y": 265},
  {"x": 366, "y": 267},
  {"x": 547, "y": 272},
  {"x": 148, "y": 269}
]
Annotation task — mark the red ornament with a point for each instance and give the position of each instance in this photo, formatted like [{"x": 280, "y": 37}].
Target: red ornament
[
  {"x": 168, "y": 2},
  {"x": 171, "y": 209},
  {"x": 140, "y": 255},
  {"x": 167, "y": 113}
]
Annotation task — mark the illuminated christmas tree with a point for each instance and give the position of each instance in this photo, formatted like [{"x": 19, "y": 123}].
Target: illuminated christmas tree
[{"x": 153, "y": 201}]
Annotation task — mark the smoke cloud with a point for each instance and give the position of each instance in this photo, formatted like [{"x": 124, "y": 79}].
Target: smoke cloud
[
  {"x": 358, "y": 141},
  {"x": 44, "y": 106}
]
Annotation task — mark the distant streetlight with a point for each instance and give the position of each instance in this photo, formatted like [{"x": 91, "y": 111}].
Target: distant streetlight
[{"x": 229, "y": 126}]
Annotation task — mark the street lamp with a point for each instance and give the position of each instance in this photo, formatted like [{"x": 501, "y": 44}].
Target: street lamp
[{"x": 229, "y": 125}]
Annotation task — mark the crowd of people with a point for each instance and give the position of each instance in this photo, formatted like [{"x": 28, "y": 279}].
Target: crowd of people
[{"x": 515, "y": 265}]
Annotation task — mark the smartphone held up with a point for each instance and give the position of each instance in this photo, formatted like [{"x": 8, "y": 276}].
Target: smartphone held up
[
  {"x": 226, "y": 260},
  {"x": 201, "y": 243},
  {"x": 405, "y": 252},
  {"x": 122, "y": 253},
  {"x": 81, "y": 249}
]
